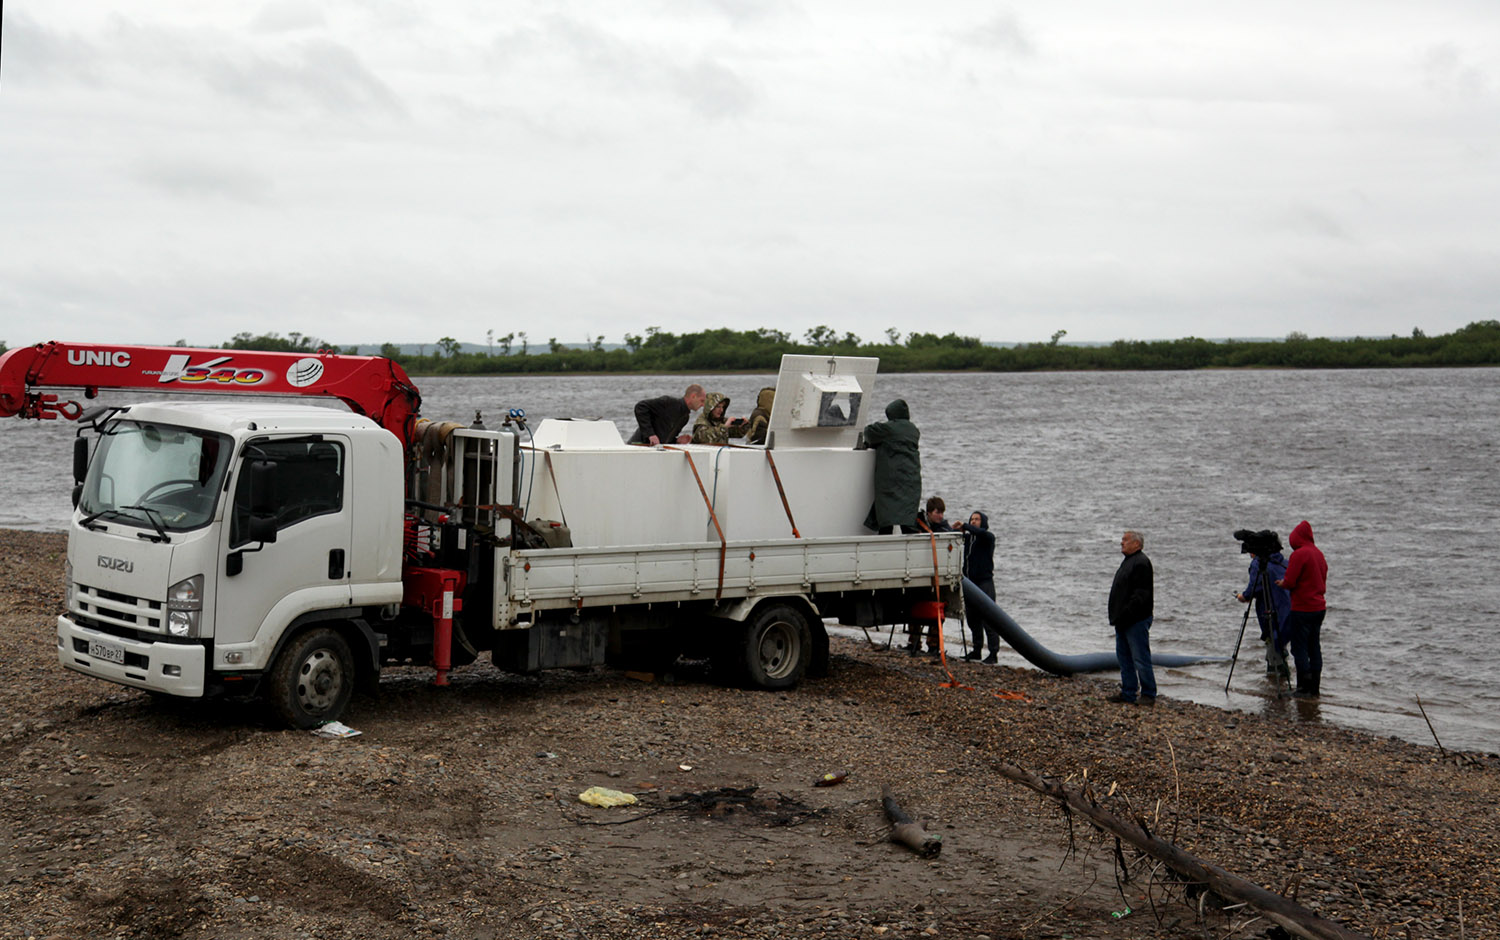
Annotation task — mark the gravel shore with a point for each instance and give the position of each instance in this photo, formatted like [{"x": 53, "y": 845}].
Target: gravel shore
[{"x": 455, "y": 812}]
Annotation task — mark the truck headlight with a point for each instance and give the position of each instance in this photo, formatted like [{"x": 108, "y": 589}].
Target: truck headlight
[
  {"x": 185, "y": 606},
  {"x": 70, "y": 590}
]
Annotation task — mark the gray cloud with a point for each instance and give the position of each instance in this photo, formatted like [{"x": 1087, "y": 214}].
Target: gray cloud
[
  {"x": 714, "y": 91},
  {"x": 285, "y": 16},
  {"x": 619, "y": 67},
  {"x": 1447, "y": 71},
  {"x": 1002, "y": 33},
  {"x": 312, "y": 74},
  {"x": 741, "y": 12},
  {"x": 35, "y": 54},
  {"x": 323, "y": 75},
  {"x": 1307, "y": 220},
  {"x": 372, "y": 169},
  {"x": 208, "y": 178}
]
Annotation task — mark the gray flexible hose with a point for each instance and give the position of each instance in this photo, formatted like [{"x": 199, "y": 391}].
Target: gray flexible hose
[{"x": 980, "y": 608}]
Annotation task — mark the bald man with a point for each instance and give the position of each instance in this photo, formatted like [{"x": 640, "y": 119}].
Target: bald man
[{"x": 661, "y": 420}]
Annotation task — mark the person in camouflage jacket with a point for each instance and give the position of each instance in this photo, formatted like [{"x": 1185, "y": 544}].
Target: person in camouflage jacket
[
  {"x": 760, "y": 418},
  {"x": 711, "y": 427}
]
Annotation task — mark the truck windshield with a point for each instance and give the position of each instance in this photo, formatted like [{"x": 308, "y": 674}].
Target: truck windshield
[{"x": 154, "y": 475}]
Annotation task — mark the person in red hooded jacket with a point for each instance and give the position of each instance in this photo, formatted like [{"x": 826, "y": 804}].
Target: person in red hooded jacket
[{"x": 1306, "y": 578}]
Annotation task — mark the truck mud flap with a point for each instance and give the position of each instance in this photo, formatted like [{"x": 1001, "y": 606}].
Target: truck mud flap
[{"x": 550, "y": 644}]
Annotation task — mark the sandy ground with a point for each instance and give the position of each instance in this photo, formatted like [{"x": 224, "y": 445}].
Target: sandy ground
[{"x": 456, "y": 813}]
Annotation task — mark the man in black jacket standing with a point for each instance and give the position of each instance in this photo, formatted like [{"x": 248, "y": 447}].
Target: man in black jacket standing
[
  {"x": 979, "y": 567},
  {"x": 1130, "y": 605},
  {"x": 660, "y": 420}
]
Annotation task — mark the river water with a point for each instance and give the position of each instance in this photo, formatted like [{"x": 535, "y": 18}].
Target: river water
[{"x": 1395, "y": 469}]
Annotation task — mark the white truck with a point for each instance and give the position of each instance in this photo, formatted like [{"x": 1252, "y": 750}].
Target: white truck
[{"x": 291, "y": 550}]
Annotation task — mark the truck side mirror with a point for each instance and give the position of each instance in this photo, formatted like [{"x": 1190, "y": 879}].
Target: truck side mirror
[
  {"x": 260, "y": 488},
  {"x": 80, "y": 460},
  {"x": 80, "y": 467},
  {"x": 260, "y": 522},
  {"x": 260, "y": 529},
  {"x": 261, "y": 526}
]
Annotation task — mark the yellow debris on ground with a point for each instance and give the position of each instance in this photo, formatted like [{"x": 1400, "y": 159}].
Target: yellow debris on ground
[{"x": 601, "y": 796}]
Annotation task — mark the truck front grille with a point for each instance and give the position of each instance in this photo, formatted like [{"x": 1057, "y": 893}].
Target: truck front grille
[{"x": 105, "y": 609}]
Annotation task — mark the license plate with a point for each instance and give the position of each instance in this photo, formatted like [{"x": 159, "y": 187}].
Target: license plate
[{"x": 108, "y": 652}]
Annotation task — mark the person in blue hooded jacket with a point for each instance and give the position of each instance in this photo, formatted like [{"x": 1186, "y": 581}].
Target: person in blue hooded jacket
[
  {"x": 1274, "y": 632},
  {"x": 979, "y": 567}
]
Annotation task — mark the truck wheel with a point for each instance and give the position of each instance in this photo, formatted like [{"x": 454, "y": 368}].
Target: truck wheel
[
  {"x": 777, "y": 647},
  {"x": 313, "y": 679}
]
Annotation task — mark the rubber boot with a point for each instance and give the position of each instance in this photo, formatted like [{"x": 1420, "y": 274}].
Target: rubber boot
[
  {"x": 1307, "y": 685},
  {"x": 1301, "y": 688},
  {"x": 1313, "y": 681}
]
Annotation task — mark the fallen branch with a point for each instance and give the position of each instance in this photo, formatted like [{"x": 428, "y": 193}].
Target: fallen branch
[
  {"x": 905, "y": 831},
  {"x": 1289, "y": 915},
  {"x": 1441, "y": 749}
]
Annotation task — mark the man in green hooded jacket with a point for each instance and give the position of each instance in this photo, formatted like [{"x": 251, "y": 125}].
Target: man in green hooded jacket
[
  {"x": 898, "y": 470},
  {"x": 712, "y": 427}
]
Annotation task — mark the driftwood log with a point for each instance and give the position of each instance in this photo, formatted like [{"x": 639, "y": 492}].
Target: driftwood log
[
  {"x": 906, "y": 831},
  {"x": 1289, "y": 915}
]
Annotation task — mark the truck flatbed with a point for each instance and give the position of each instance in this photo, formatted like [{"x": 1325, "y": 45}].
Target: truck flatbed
[{"x": 541, "y": 579}]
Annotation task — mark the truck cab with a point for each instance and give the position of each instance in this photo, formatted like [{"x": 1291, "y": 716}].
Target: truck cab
[{"x": 178, "y": 582}]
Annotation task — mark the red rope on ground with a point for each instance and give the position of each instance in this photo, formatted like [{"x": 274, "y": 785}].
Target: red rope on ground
[{"x": 940, "y": 608}]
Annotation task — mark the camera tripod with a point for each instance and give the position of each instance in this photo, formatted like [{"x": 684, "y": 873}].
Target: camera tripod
[{"x": 1268, "y": 609}]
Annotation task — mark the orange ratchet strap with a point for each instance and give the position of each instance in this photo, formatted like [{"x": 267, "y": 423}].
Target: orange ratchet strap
[
  {"x": 723, "y": 543},
  {"x": 779, "y": 488}
]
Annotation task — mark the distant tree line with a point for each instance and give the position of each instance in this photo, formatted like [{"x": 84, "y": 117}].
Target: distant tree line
[{"x": 723, "y": 350}]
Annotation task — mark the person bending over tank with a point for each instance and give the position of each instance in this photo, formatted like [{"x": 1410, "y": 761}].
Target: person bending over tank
[
  {"x": 898, "y": 470},
  {"x": 661, "y": 420}
]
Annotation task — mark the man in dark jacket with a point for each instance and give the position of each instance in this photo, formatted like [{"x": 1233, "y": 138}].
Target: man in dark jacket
[
  {"x": 1306, "y": 578},
  {"x": 936, "y": 515},
  {"x": 661, "y": 420},
  {"x": 979, "y": 567},
  {"x": 1273, "y": 627},
  {"x": 1130, "y": 606},
  {"x": 898, "y": 470}
]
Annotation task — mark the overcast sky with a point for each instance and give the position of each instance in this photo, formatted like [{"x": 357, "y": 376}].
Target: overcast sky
[{"x": 374, "y": 171}]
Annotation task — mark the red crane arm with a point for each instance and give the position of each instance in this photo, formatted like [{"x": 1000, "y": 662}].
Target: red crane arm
[{"x": 370, "y": 385}]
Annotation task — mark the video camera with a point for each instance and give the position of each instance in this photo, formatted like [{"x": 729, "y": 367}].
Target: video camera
[{"x": 1262, "y": 544}]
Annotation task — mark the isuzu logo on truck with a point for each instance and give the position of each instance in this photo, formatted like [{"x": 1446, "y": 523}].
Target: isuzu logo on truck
[{"x": 116, "y": 564}]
